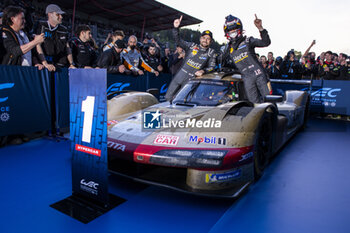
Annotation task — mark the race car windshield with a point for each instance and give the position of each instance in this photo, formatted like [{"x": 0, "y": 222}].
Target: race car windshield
[{"x": 205, "y": 93}]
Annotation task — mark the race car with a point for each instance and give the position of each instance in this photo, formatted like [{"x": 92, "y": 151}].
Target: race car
[{"x": 209, "y": 140}]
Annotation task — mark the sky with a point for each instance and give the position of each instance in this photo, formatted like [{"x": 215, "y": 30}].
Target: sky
[{"x": 291, "y": 24}]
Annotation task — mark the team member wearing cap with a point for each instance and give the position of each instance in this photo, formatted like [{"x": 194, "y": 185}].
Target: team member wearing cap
[
  {"x": 111, "y": 58},
  {"x": 241, "y": 52},
  {"x": 55, "y": 51},
  {"x": 200, "y": 59}
]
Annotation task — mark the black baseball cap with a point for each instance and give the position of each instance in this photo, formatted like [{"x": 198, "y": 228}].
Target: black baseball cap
[
  {"x": 207, "y": 32},
  {"x": 119, "y": 44}
]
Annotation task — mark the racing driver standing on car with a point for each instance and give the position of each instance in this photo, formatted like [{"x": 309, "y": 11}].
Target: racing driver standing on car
[
  {"x": 240, "y": 50},
  {"x": 200, "y": 59}
]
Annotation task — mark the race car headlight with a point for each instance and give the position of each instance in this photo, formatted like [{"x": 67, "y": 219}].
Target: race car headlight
[{"x": 189, "y": 158}]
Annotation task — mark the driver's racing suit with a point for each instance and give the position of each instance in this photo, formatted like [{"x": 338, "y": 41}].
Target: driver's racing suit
[
  {"x": 197, "y": 58},
  {"x": 242, "y": 54}
]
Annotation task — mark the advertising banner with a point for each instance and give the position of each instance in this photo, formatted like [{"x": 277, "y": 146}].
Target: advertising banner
[
  {"x": 327, "y": 96},
  {"x": 88, "y": 130},
  {"x": 62, "y": 98},
  {"x": 161, "y": 83},
  {"x": 119, "y": 82},
  {"x": 24, "y": 100}
]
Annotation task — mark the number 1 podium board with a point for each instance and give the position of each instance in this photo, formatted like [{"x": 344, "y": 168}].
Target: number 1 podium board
[{"x": 88, "y": 130}]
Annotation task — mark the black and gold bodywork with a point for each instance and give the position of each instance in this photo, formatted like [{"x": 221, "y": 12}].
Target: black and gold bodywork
[{"x": 210, "y": 161}]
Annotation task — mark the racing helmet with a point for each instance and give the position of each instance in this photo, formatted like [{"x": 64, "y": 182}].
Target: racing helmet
[{"x": 232, "y": 23}]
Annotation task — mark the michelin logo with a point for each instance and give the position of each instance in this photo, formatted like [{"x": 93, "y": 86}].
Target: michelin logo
[{"x": 221, "y": 177}]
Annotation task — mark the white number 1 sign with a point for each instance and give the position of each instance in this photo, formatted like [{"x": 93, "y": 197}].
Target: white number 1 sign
[{"x": 87, "y": 106}]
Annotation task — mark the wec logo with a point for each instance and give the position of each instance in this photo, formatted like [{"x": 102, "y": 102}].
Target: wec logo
[
  {"x": 326, "y": 92},
  {"x": 5, "y": 86},
  {"x": 163, "y": 89},
  {"x": 90, "y": 184},
  {"x": 117, "y": 87}
]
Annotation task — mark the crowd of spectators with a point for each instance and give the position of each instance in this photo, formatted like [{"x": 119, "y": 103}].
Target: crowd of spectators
[
  {"x": 327, "y": 66},
  {"x": 29, "y": 39}
]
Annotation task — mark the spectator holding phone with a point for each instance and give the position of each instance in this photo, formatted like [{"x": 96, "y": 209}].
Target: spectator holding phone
[{"x": 16, "y": 43}]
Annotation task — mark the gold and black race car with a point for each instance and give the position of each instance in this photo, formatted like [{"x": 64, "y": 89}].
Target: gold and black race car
[{"x": 209, "y": 140}]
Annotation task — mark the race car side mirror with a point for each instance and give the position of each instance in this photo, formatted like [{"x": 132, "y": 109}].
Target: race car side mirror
[
  {"x": 153, "y": 91},
  {"x": 273, "y": 98}
]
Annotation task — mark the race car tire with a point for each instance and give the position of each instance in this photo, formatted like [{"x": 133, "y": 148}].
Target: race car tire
[{"x": 263, "y": 144}]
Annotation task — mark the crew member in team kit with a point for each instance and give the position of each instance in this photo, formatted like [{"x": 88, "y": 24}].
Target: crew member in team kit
[{"x": 200, "y": 59}]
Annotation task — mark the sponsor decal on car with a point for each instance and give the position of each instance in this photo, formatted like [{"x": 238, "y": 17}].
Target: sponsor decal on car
[
  {"x": 246, "y": 156},
  {"x": 88, "y": 150},
  {"x": 112, "y": 122},
  {"x": 116, "y": 146},
  {"x": 166, "y": 140},
  {"x": 220, "y": 177},
  {"x": 90, "y": 187},
  {"x": 208, "y": 140}
]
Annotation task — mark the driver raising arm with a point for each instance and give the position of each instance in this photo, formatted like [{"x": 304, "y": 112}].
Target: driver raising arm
[
  {"x": 200, "y": 59},
  {"x": 242, "y": 53}
]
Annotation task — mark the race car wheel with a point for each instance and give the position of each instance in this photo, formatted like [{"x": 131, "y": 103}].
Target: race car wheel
[{"x": 263, "y": 145}]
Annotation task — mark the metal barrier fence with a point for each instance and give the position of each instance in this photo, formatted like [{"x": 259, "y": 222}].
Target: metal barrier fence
[{"x": 33, "y": 100}]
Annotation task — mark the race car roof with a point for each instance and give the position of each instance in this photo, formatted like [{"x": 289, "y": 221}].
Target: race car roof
[{"x": 153, "y": 15}]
